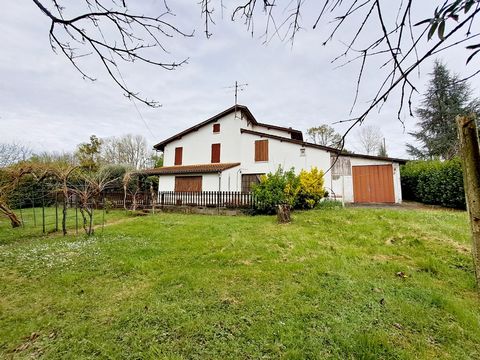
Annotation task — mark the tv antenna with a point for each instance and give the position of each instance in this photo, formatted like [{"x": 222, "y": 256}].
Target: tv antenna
[{"x": 238, "y": 87}]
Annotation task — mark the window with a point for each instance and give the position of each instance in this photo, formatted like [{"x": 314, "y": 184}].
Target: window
[
  {"x": 215, "y": 153},
  {"x": 178, "y": 155},
  {"x": 261, "y": 150},
  {"x": 216, "y": 128},
  {"x": 188, "y": 183},
  {"x": 248, "y": 180}
]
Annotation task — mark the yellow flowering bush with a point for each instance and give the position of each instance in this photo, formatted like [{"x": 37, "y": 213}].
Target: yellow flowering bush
[{"x": 311, "y": 189}]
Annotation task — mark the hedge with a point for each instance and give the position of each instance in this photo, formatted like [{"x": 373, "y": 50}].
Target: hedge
[{"x": 434, "y": 182}]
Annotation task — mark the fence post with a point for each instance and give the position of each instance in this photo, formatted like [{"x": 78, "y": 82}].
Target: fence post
[
  {"x": 470, "y": 155},
  {"x": 103, "y": 212},
  {"x": 76, "y": 216},
  {"x": 56, "y": 212},
  {"x": 34, "y": 216},
  {"x": 43, "y": 209}
]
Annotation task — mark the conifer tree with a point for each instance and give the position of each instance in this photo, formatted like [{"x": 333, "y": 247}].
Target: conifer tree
[{"x": 445, "y": 98}]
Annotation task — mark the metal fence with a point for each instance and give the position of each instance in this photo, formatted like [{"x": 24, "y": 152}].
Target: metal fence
[{"x": 140, "y": 200}]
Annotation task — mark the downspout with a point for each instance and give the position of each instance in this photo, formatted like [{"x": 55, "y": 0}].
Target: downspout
[
  {"x": 219, "y": 189},
  {"x": 239, "y": 172},
  {"x": 158, "y": 190},
  {"x": 219, "y": 181}
]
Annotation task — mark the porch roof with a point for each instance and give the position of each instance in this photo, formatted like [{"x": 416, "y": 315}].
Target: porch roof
[{"x": 191, "y": 169}]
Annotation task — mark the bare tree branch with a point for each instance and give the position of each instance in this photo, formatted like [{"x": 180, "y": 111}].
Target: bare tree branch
[{"x": 136, "y": 33}]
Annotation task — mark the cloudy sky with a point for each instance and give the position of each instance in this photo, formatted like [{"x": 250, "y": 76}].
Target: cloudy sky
[{"x": 45, "y": 103}]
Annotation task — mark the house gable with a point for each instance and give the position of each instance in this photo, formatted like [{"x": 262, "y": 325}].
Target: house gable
[
  {"x": 217, "y": 138},
  {"x": 244, "y": 113}
]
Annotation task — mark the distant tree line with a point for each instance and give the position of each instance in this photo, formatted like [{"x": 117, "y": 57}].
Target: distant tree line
[
  {"x": 128, "y": 150},
  {"x": 28, "y": 179}
]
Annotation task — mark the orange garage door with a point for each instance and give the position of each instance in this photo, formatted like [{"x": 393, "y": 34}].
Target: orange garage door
[{"x": 373, "y": 184}]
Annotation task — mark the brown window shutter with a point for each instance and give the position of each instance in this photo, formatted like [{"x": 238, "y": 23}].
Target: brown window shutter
[
  {"x": 215, "y": 153},
  {"x": 216, "y": 128},
  {"x": 178, "y": 155},
  {"x": 261, "y": 150},
  {"x": 188, "y": 183}
]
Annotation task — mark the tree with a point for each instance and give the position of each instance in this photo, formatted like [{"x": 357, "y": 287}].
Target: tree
[
  {"x": 87, "y": 189},
  {"x": 131, "y": 36},
  {"x": 370, "y": 139},
  {"x": 63, "y": 173},
  {"x": 445, "y": 98},
  {"x": 382, "y": 151},
  {"x": 395, "y": 50},
  {"x": 88, "y": 154},
  {"x": 157, "y": 160},
  {"x": 404, "y": 37},
  {"x": 9, "y": 180},
  {"x": 325, "y": 135},
  {"x": 128, "y": 150},
  {"x": 400, "y": 32},
  {"x": 45, "y": 157},
  {"x": 11, "y": 153}
]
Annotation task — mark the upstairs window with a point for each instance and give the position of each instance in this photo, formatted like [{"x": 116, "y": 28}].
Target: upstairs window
[
  {"x": 261, "y": 150},
  {"x": 215, "y": 153},
  {"x": 178, "y": 155},
  {"x": 216, "y": 128}
]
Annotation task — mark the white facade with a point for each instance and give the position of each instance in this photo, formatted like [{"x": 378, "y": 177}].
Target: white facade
[{"x": 237, "y": 145}]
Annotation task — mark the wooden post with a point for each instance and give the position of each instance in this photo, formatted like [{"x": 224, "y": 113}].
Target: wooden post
[
  {"x": 470, "y": 154},
  {"x": 56, "y": 212},
  {"x": 43, "y": 209}
]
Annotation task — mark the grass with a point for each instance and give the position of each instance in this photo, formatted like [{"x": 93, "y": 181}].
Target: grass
[
  {"x": 33, "y": 219},
  {"x": 351, "y": 283}
]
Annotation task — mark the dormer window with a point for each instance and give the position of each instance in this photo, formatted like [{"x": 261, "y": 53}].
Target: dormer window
[{"x": 216, "y": 128}]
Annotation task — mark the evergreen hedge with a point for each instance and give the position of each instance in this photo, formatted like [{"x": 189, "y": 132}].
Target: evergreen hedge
[{"x": 434, "y": 182}]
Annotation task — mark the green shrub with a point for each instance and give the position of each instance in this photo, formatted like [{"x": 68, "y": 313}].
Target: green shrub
[
  {"x": 284, "y": 187},
  {"x": 434, "y": 182},
  {"x": 276, "y": 188},
  {"x": 311, "y": 188}
]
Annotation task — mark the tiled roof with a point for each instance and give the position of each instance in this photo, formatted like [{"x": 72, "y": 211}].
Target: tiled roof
[{"x": 191, "y": 169}]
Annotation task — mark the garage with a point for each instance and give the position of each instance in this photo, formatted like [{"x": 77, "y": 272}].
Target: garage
[{"x": 373, "y": 184}]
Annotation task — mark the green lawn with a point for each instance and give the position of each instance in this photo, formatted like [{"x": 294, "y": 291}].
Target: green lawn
[
  {"x": 34, "y": 218},
  {"x": 352, "y": 283}
]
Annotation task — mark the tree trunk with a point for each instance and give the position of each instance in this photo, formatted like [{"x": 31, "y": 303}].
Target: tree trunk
[
  {"x": 11, "y": 215},
  {"x": 283, "y": 213},
  {"x": 470, "y": 154}
]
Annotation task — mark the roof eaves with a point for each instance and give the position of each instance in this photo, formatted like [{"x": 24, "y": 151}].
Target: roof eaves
[
  {"x": 322, "y": 147},
  {"x": 191, "y": 169},
  {"x": 161, "y": 145},
  {"x": 270, "y": 126}
]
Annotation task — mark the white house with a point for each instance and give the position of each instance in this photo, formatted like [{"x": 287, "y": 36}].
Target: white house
[{"x": 229, "y": 152}]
